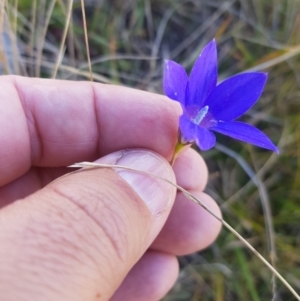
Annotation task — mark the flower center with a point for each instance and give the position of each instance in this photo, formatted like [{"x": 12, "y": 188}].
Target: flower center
[{"x": 200, "y": 115}]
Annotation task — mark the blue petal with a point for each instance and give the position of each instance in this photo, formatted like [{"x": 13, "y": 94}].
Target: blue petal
[
  {"x": 188, "y": 129},
  {"x": 245, "y": 132},
  {"x": 236, "y": 95},
  {"x": 175, "y": 81},
  {"x": 203, "y": 77},
  {"x": 205, "y": 139}
]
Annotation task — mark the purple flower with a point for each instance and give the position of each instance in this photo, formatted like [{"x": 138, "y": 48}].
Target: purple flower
[{"x": 210, "y": 107}]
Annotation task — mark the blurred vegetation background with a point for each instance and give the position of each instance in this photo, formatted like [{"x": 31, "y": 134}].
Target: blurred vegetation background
[{"x": 257, "y": 190}]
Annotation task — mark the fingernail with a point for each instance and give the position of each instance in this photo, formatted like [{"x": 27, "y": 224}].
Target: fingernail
[{"x": 156, "y": 193}]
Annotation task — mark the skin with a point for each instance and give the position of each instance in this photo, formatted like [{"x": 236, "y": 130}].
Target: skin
[{"x": 91, "y": 235}]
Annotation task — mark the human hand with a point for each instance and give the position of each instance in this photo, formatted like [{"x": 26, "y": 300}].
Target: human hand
[{"x": 97, "y": 234}]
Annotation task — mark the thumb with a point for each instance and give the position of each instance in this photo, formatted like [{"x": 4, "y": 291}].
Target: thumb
[{"x": 77, "y": 238}]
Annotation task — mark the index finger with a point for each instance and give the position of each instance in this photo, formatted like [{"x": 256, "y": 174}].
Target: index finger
[{"x": 56, "y": 123}]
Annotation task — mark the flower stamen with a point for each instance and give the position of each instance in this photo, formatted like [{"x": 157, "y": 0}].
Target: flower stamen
[{"x": 200, "y": 116}]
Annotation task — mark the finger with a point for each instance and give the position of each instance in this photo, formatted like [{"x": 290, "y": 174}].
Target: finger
[
  {"x": 189, "y": 228},
  {"x": 190, "y": 170},
  {"x": 150, "y": 279},
  {"x": 56, "y": 123},
  {"x": 33, "y": 180},
  {"x": 83, "y": 232}
]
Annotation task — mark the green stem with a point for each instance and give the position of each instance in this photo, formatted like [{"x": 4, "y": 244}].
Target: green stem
[{"x": 180, "y": 146}]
